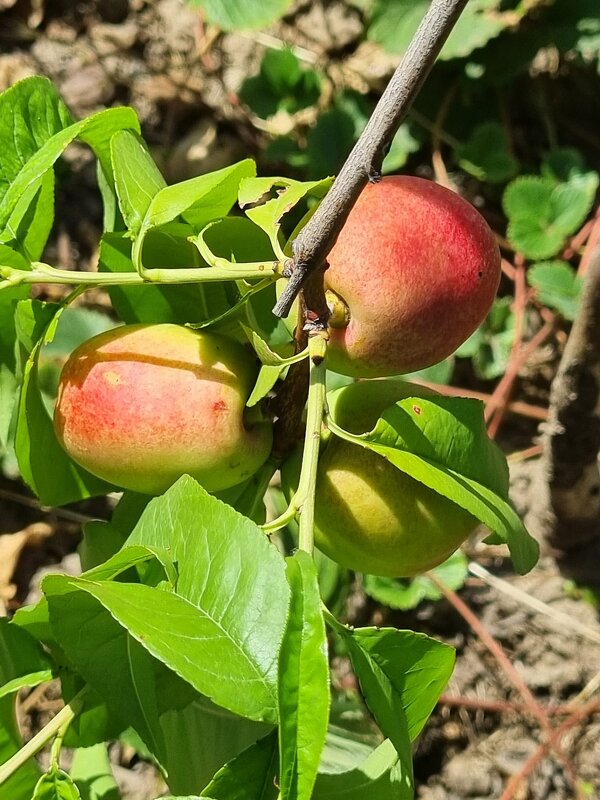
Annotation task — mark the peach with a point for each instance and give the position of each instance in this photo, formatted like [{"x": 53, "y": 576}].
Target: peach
[
  {"x": 370, "y": 516},
  {"x": 141, "y": 405},
  {"x": 412, "y": 274}
]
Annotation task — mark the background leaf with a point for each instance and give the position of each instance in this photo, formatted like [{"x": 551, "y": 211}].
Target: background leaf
[
  {"x": 557, "y": 286},
  {"x": 236, "y": 14}
]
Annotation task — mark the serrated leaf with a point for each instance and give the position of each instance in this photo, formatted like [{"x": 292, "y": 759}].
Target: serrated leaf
[
  {"x": 56, "y": 784},
  {"x": 231, "y": 584},
  {"x": 542, "y": 214},
  {"x": 303, "y": 683},
  {"x": 95, "y": 130},
  {"x": 137, "y": 178},
  {"x": 198, "y": 200},
  {"x": 402, "y": 674},
  {"x": 407, "y": 594},
  {"x": 268, "y": 376},
  {"x": 240, "y": 14},
  {"x": 557, "y": 286},
  {"x": 31, "y": 112}
]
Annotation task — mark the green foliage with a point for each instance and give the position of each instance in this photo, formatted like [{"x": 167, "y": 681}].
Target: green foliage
[
  {"x": 405, "y": 594},
  {"x": 486, "y": 154},
  {"x": 490, "y": 345},
  {"x": 189, "y": 632},
  {"x": 281, "y": 85},
  {"x": 241, "y": 14},
  {"x": 557, "y": 286},
  {"x": 393, "y": 24},
  {"x": 542, "y": 213}
]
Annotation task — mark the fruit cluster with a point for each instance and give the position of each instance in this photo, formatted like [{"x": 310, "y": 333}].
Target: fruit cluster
[{"x": 414, "y": 271}]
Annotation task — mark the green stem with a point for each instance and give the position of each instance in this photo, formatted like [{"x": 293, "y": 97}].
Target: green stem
[
  {"x": 303, "y": 501},
  {"x": 57, "y": 724},
  {"x": 334, "y": 623},
  {"x": 44, "y": 273}
]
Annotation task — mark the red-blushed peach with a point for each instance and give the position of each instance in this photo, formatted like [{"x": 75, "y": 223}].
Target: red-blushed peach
[
  {"x": 412, "y": 274},
  {"x": 141, "y": 405},
  {"x": 370, "y": 516}
]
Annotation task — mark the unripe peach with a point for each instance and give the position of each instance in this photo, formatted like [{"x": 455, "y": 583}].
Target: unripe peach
[
  {"x": 412, "y": 274},
  {"x": 370, "y": 516},
  {"x": 141, "y": 405}
]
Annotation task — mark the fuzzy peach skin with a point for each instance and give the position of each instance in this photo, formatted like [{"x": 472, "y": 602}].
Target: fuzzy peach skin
[
  {"x": 418, "y": 269},
  {"x": 370, "y": 516},
  {"x": 141, "y": 405}
]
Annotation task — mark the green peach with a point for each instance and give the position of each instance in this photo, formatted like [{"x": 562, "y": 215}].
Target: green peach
[
  {"x": 369, "y": 516},
  {"x": 141, "y": 405}
]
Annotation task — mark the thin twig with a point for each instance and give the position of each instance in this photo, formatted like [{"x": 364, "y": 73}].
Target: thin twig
[{"x": 316, "y": 239}]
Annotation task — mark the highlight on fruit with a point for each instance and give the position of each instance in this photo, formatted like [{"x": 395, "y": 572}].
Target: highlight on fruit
[{"x": 141, "y": 405}]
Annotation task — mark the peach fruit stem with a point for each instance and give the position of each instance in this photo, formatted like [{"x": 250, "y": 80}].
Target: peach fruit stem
[
  {"x": 303, "y": 501},
  {"x": 44, "y": 273},
  {"x": 56, "y": 727}
]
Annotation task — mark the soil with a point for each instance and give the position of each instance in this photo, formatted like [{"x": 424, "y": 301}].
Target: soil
[{"x": 182, "y": 78}]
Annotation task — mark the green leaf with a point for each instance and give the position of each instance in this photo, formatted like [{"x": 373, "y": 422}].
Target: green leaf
[
  {"x": 402, "y": 675},
  {"x": 403, "y": 145},
  {"x": 394, "y": 22},
  {"x": 22, "y": 660},
  {"x": 491, "y": 344},
  {"x": 442, "y": 442},
  {"x": 31, "y": 112},
  {"x": 557, "y": 286},
  {"x": 240, "y": 14},
  {"x": 486, "y": 154},
  {"x": 200, "y": 739},
  {"x": 250, "y": 776},
  {"x": 268, "y": 216},
  {"x": 92, "y": 772},
  {"x": 242, "y": 599},
  {"x": 199, "y": 200},
  {"x": 56, "y": 784},
  {"x": 109, "y": 658},
  {"x": 96, "y": 131},
  {"x": 137, "y": 178},
  {"x": 281, "y": 85},
  {"x": 379, "y": 777},
  {"x": 329, "y": 142},
  {"x": 21, "y": 784},
  {"x": 8, "y": 366},
  {"x": 155, "y": 304},
  {"x": 405, "y": 594},
  {"x": 542, "y": 214},
  {"x": 31, "y": 221},
  {"x": 43, "y": 463},
  {"x": 303, "y": 683}
]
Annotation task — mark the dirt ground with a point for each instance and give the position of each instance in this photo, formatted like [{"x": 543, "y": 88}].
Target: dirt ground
[{"x": 182, "y": 80}]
